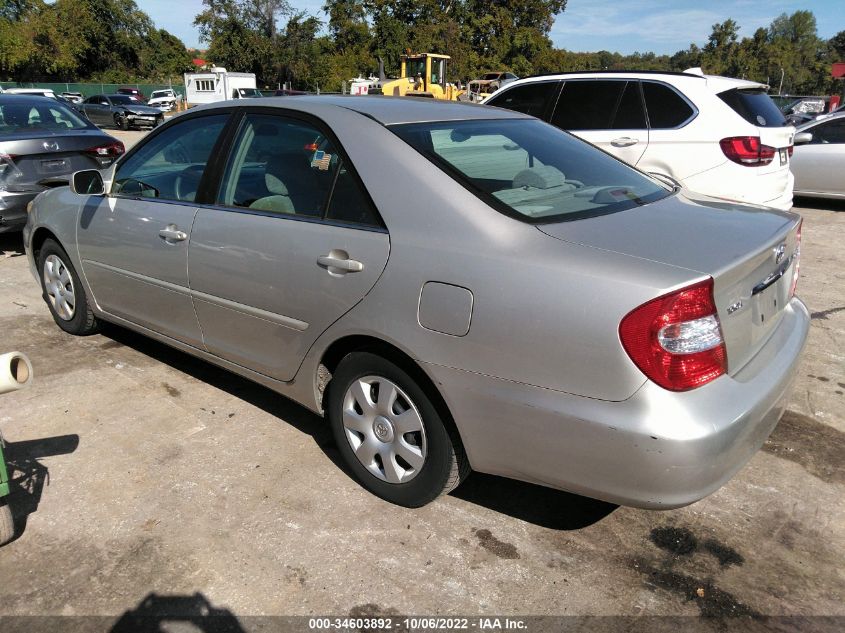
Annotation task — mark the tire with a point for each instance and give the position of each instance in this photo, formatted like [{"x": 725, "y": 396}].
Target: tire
[
  {"x": 7, "y": 523},
  {"x": 410, "y": 468},
  {"x": 63, "y": 291},
  {"x": 122, "y": 122}
]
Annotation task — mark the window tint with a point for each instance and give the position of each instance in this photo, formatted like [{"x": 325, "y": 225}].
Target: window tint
[
  {"x": 349, "y": 203},
  {"x": 529, "y": 98},
  {"x": 530, "y": 171},
  {"x": 666, "y": 108},
  {"x": 587, "y": 105},
  {"x": 629, "y": 113},
  {"x": 171, "y": 165},
  {"x": 755, "y": 106},
  {"x": 830, "y": 132}
]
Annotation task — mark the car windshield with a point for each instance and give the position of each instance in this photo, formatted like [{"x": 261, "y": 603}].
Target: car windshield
[
  {"x": 159, "y": 93},
  {"x": 24, "y": 118},
  {"x": 531, "y": 170},
  {"x": 249, "y": 93}
]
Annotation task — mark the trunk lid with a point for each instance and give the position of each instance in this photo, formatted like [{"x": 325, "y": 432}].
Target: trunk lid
[{"x": 750, "y": 252}]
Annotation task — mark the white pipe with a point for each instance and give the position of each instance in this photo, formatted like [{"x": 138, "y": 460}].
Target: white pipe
[{"x": 15, "y": 372}]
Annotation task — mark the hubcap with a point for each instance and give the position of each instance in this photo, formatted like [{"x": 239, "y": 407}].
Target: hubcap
[
  {"x": 384, "y": 429},
  {"x": 59, "y": 287}
]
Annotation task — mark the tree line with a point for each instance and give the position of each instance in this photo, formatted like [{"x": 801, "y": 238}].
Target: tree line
[{"x": 114, "y": 41}]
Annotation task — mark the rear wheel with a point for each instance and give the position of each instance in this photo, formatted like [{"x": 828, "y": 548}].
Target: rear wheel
[
  {"x": 63, "y": 291},
  {"x": 390, "y": 434}
]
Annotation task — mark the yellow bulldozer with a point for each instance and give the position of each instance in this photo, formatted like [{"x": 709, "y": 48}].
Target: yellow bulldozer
[{"x": 423, "y": 75}]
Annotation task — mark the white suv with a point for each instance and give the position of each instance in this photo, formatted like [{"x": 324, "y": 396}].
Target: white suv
[{"x": 718, "y": 136}]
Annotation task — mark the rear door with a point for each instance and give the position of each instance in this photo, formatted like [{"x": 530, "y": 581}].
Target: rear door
[
  {"x": 133, "y": 243},
  {"x": 606, "y": 113},
  {"x": 819, "y": 166},
  {"x": 292, "y": 243},
  {"x": 673, "y": 148}
]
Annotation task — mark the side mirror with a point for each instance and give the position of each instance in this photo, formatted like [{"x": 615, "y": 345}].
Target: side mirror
[
  {"x": 87, "y": 182},
  {"x": 802, "y": 138}
]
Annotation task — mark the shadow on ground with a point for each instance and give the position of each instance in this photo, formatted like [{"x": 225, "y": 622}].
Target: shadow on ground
[
  {"x": 28, "y": 476},
  {"x": 534, "y": 504},
  {"x": 11, "y": 244},
  {"x": 158, "y": 613}
]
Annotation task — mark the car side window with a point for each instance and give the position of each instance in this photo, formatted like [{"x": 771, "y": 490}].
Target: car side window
[
  {"x": 529, "y": 98},
  {"x": 587, "y": 105},
  {"x": 279, "y": 165},
  {"x": 666, "y": 108},
  {"x": 830, "y": 132},
  {"x": 170, "y": 166},
  {"x": 348, "y": 201},
  {"x": 629, "y": 113}
]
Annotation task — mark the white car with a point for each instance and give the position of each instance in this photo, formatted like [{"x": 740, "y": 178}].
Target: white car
[
  {"x": 714, "y": 135},
  {"x": 164, "y": 100},
  {"x": 32, "y": 92}
]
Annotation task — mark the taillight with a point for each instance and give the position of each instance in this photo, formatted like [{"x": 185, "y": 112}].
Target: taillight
[
  {"x": 790, "y": 150},
  {"x": 797, "y": 257},
  {"x": 676, "y": 340},
  {"x": 110, "y": 150},
  {"x": 747, "y": 150}
]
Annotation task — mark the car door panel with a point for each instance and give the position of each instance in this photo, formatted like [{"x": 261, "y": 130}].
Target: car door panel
[
  {"x": 818, "y": 165},
  {"x": 260, "y": 294},
  {"x": 133, "y": 243}
]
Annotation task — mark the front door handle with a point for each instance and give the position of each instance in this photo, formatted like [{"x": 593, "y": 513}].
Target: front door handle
[
  {"x": 339, "y": 263},
  {"x": 172, "y": 234},
  {"x": 624, "y": 141}
]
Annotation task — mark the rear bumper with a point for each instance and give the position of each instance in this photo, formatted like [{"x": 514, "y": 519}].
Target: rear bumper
[
  {"x": 13, "y": 209},
  {"x": 658, "y": 449}
]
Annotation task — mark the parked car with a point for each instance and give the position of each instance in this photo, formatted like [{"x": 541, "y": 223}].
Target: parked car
[
  {"x": 165, "y": 100},
  {"x": 714, "y": 135},
  {"x": 288, "y": 92},
  {"x": 73, "y": 97},
  {"x": 819, "y": 159},
  {"x": 32, "y": 92},
  {"x": 42, "y": 142},
  {"x": 76, "y": 107},
  {"x": 536, "y": 309},
  {"x": 132, "y": 92},
  {"x": 122, "y": 111}
]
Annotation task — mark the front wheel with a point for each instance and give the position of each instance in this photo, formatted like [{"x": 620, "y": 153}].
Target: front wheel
[
  {"x": 390, "y": 434},
  {"x": 63, "y": 291}
]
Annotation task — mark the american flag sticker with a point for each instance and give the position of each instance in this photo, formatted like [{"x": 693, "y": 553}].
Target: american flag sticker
[{"x": 321, "y": 160}]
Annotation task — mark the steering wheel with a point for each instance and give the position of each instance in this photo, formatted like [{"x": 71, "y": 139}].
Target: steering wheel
[{"x": 187, "y": 182}]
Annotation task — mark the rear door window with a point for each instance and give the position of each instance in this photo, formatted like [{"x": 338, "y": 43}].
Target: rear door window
[
  {"x": 755, "y": 106},
  {"x": 530, "y": 98},
  {"x": 629, "y": 113},
  {"x": 666, "y": 108},
  {"x": 588, "y": 105}
]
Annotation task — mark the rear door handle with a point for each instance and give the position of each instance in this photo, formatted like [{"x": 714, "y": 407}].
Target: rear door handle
[
  {"x": 339, "y": 263},
  {"x": 624, "y": 141},
  {"x": 172, "y": 234}
]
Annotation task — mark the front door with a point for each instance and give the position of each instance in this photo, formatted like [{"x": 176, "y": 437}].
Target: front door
[
  {"x": 819, "y": 166},
  {"x": 97, "y": 110},
  {"x": 133, "y": 243},
  {"x": 292, "y": 245}
]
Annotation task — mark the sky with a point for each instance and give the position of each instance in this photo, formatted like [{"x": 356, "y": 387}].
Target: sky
[{"x": 623, "y": 26}]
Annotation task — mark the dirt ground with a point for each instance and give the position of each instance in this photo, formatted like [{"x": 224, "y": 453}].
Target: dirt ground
[{"x": 141, "y": 471}]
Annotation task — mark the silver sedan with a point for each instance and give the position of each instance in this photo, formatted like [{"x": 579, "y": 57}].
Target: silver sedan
[
  {"x": 482, "y": 290},
  {"x": 819, "y": 159}
]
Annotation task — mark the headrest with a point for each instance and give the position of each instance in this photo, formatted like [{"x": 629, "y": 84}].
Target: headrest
[{"x": 541, "y": 177}]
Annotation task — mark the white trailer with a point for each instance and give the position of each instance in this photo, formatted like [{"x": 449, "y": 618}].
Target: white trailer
[{"x": 218, "y": 84}]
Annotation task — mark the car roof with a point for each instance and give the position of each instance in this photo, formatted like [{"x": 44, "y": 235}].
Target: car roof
[
  {"x": 384, "y": 110},
  {"x": 716, "y": 82},
  {"x": 25, "y": 98}
]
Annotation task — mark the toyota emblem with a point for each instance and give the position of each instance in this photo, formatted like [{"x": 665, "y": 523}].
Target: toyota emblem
[{"x": 51, "y": 146}]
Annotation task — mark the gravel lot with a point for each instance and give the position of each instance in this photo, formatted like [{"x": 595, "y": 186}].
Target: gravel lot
[{"x": 144, "y": 471}]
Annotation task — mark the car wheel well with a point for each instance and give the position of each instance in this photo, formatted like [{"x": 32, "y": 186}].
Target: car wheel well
[
  {"x": 39, "y": 237},
  {"x": 347, "y": 345}
]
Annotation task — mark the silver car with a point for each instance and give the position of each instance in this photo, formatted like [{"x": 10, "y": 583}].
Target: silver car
[
  {"x": 819, "y": 159},
  {"x": 483, "y": 291}
]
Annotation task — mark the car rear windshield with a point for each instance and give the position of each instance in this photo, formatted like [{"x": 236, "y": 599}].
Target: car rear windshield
[
  {"x": 755, "y": 106},
  {"x": 531, "y": 170},
  {"x": 50, "y": 116}
]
